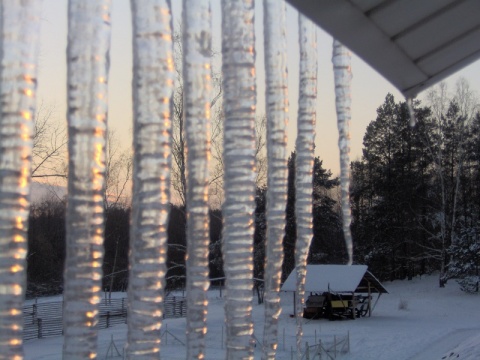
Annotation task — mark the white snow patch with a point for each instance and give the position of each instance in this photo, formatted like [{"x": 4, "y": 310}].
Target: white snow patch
[{"x": 438, "y": 324}]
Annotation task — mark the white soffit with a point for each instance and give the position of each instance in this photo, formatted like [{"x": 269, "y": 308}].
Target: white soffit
[{"x": 412, "y": 43}]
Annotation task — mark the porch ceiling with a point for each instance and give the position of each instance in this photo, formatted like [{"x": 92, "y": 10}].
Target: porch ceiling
[{"x": 412, "y": 43}]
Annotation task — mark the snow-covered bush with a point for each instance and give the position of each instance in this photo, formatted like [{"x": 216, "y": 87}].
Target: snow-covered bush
[
  {"x": 465, "y": 259},
  {"x": 469, "y": 284}
]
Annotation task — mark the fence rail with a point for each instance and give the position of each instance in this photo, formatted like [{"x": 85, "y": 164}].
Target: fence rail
[
  {"x": 327, "y": 348},
  {"x": 174, "y": 306},
  {"x": 41, "y": 320}
]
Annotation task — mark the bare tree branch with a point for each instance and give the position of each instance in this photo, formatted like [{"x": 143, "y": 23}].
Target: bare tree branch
[
  {"x": 49, "y": 145},
  {"x": 118, "y": 171}
]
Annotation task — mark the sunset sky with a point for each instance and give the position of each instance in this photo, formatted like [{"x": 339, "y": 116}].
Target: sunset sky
[{"x": 368, "y": 88}]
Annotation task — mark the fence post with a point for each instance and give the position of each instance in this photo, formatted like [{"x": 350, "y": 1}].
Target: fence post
[
  {"x": 34, "y": 312},
  {"x": 39, "y": 328},
  {"x": 307, "y": 351}
]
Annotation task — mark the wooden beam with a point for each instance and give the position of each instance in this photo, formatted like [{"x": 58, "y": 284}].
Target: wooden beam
[
  {"x": 379, "y": 294},
  {"x": 295, "y": 303}
]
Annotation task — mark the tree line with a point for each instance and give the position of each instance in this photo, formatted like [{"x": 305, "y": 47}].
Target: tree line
[
  {"x": 415, "y": 199},
  {"x": 46, "y": 238},
  {"x": 415, "y": 193}
]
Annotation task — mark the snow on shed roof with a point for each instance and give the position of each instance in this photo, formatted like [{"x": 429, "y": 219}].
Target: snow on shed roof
[{"x": 336, "y": 278}]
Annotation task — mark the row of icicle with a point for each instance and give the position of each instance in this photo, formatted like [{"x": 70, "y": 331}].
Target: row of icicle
[{"x": 153, "y": 81}]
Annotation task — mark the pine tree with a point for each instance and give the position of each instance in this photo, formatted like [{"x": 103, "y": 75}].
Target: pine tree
[
  {"x": 327, "y": 243},
  {"x": 388, "y": 191},
  {"x": 465, "y": 259}
]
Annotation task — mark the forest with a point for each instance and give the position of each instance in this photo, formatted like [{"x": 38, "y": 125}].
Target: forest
[{"x": 415, "y": 200}]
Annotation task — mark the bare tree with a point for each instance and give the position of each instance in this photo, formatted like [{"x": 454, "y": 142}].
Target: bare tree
[
  {"x": 49, "y": 156},
  {"x": 49, "y": 145},
  {"x": 451, "y": 116},
  {"x": 49, "y": 163},
  {"x": 261, "y": 150},
  {"x": 118, "y": 173},
  {"x": 179, "y": 150}
]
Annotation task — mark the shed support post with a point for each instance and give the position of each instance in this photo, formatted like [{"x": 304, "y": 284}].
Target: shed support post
[
  {"x": 354, "y": 307},
  {"x": 376, "y": 301},
  {"x": 369, "y": 300},
  {"x": 295, "y": 303}
]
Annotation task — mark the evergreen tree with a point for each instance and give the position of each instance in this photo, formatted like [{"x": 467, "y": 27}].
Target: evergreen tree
[
  {"x": 327, "y": 243},
  {"x": 46, "y": 247},
  {"x": 471, "y": 172},
  {"x": 447, "y": 142},
  {"x": 465, "y": 259},
  {"x": 259, "y": 241},
  {"x": 388, "y": 191}
]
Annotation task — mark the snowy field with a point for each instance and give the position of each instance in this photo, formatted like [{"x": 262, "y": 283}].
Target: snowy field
[{"x": 436, "y": 324}]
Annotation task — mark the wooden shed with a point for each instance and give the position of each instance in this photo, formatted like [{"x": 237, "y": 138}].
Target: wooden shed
[{"x": 338, "y": 290}]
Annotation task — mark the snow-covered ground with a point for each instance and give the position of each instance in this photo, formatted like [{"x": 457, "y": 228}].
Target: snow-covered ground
[{"x": 436, "y": 324}]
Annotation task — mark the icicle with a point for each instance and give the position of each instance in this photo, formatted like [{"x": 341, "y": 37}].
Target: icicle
[
  {"x": 20, "y": 23},
  {"x": 305, "y": 146},
  {"x": 153, "y": 76},
  {"x": 88, "y": 62},
  {"x": 197, "y": 90},
  {"x": 238, "y": 44},
  {"x": 343, "y": 76},
  {"x": 411, "y": 111},
  {"x": 277, "y": 117}
]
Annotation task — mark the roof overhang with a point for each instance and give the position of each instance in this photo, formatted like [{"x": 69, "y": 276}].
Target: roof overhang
[{"x": 412, "y": 43}]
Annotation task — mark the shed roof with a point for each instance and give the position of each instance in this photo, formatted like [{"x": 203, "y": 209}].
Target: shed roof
[
  {"x": 336, "y": 278},
  {"x": 412, "y": 43}
]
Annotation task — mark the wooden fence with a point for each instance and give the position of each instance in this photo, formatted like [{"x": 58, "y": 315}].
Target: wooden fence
[
  {"x": 42, "y": 320},
  {"x": 327, "y": 348}
]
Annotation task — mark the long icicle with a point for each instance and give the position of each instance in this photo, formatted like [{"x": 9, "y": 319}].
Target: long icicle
[
  {"x": 87, "y": 68},
  {"x": 153, "y": 76},
  {"x": 341, "y": 60},
  {"x": 238, "y": 48},
  {"x": 305, "y": 146},
  {"x": 277, "y": 117},
  {"x": 20, "y": 23},
  {"x": 197, "y": 89}
]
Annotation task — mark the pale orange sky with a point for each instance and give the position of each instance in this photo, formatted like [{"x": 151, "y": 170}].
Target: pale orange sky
[{"x": 368, "y": 87}]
